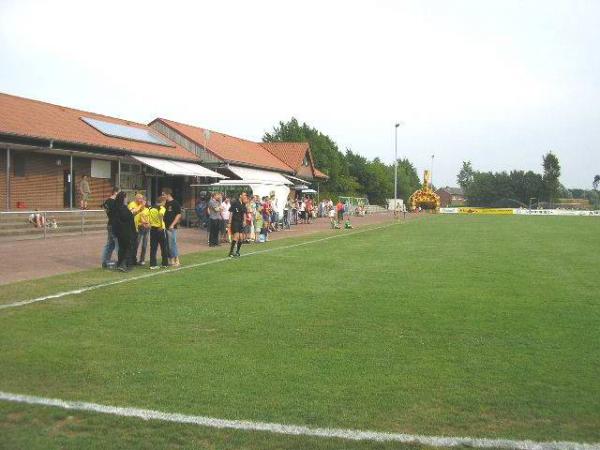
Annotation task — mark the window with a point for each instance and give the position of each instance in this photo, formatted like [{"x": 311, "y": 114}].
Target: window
[
  {"x": 18, "y": 162},
  {"x": 131, "y": 168},
  {"x": 100, "y": 168}
]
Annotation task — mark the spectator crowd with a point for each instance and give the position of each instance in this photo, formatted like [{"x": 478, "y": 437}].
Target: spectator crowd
[{"x": 233, "y": 220}]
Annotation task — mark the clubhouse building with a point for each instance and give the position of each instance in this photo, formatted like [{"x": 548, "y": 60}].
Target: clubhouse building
[{"x": 46, "y": 149}]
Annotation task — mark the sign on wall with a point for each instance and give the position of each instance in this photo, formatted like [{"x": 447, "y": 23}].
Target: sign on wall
[{"x": 100, "y": 168}]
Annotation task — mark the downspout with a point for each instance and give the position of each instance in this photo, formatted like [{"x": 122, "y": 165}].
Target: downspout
[
  {"x": 119, "y": 174},
  {"x": 71, "y": 181},
  {"x": 8, "y": 179}
]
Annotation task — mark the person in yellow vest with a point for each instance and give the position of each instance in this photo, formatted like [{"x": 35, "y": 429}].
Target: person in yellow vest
[
  {"x": 142, "y": 225},
  {"x": 135, "y": 206},
  {"x": 156, "y": 222}
]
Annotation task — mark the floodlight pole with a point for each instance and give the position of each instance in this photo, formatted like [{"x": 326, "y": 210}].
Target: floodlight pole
[{"x": 396, "y": 165}]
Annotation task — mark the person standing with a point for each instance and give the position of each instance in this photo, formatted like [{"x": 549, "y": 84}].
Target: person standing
[
  {"x": 274, "y": 213},
  {"x": 157, "y": 233},
  {"x": 214, "y": 215},
  {"x": 142, "y": 225},
  {"x": 309, "y": 209},
  {"x": 172, "y": 218},
  {"x": 111, "y": 240},
  {"x": 225, "y": 218},
  {"x": 201, "y": 212},
  {"x": 84, "y": 192},
  {"x": 124, "y": 229},
  {"x": 237, "y": 216},
  {"x": 135, "y": 206},
  {"x": 302, "y": 209},
  {"x": 340, "y": 211}
]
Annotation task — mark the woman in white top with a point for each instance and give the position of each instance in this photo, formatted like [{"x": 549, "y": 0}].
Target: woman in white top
[
  {"x": 225, "y": 204},
  {"x": 302, "y": 210}
]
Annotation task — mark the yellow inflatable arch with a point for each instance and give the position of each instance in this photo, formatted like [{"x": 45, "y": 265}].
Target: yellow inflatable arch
[{"x": 425, "y": 197}]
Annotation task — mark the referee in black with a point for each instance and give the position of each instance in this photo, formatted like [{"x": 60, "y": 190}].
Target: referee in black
[{"x": 237, "y": 210}]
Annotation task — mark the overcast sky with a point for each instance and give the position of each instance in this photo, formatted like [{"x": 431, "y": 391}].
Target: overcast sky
[{"x": 495, "y": 82}]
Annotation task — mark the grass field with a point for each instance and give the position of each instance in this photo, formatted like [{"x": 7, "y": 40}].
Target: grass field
[{"x": 453, "y": 326}]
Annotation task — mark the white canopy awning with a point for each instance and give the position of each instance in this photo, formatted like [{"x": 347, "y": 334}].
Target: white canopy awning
[
  {"x": 178, "y": 167},
  {"x": 257, "y": 176},
  {"x": 297, "y": 180}
]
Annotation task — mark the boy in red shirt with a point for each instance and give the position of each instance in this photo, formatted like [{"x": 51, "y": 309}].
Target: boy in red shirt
[{"x": 340, "y": 211}]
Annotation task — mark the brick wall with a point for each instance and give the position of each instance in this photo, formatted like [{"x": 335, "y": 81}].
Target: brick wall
[
  {"x": 445, "y": 198},
  {"x": 42, "y": 186}
]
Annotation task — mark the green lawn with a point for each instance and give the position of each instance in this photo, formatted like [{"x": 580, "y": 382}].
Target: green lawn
[{"x": 447, "y": 325}]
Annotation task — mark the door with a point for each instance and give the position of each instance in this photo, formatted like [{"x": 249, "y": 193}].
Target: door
[
  {"x": 69, "y": 186},
  {"x": 175, "y": 183}
]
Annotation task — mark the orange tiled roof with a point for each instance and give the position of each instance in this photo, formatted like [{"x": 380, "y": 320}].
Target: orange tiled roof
[
  {"x": 229, "y": 148},
  {"x": 319, "y": 174},
  {"x": 291, "y": 153},
  {"x": 31, "y": 118}
]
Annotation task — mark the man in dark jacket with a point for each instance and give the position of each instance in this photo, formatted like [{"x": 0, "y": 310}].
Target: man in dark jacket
[
  {"x": 124, "y": 229},
  {"x": 111, "y": 240}
]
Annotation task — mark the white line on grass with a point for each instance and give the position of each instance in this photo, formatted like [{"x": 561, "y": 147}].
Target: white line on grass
[
  {"x": 174, "y": 270},
  {"x": 298, "y": 430}
]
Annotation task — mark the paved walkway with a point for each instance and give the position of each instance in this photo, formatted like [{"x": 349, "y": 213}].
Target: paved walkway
[{"x": 37, "y": 258}]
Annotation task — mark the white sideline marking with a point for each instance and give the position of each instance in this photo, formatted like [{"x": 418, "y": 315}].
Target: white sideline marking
[
  {"x": 298, "y": 430},
  {"x": 190, "y": 266}
]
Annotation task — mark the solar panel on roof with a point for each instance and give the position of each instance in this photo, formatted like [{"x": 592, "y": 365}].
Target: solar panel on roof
[{"x": 126, "y": 132}]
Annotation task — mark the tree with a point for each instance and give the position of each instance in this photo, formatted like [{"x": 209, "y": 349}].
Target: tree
[
  {"x": 324, "y": 150},
  {"x": 596, "y": 182},
  {"x": 465, "y": 176},
  {"x": 349, "y": 173},
  {"x": 408, "y": 179},
  {"x": 551, "y": 176},
  {"x": 499, "y": 189}
]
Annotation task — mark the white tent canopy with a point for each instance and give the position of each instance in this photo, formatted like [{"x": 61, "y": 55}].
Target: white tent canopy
[
  {"x": 258, "y": 176},
  {"x": 171, "y": 167},
  {"x": 262, "y": 182}
]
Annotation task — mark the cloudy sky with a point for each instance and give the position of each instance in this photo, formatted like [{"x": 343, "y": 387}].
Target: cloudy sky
[{"x": 495, "y": 82}]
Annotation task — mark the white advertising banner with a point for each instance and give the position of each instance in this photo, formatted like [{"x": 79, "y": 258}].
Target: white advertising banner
[
  {"x": 449, "y": 210},
  {"x": 556, "y": 212},
  {"x": 521, "y": 211}
]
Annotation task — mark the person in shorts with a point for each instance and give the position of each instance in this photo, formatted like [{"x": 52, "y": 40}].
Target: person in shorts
[
  {"x": 237, "y": 217},
  {"x": 85, "y": 192}
]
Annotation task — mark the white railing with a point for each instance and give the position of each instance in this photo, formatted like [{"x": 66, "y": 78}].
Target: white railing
[
  {"x": 58, "y": 211},
  {"x": 45, "y": 213}
]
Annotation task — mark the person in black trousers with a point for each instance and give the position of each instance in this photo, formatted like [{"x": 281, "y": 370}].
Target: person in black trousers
[
  {"x": 214, "y": 211},
  {"x": 157, "y": 234},
  {"x": 124, "y": 229}
]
